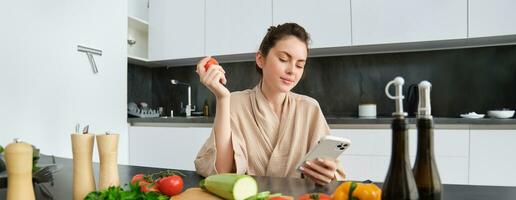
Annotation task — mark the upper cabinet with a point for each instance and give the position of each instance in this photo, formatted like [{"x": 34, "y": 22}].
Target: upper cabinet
[
  {"x": 235, "y": 27},
  {"x": 327, "y": 22},
  {"x": 492, "y": 18},
  {"x": 398, "y": 21},
  {"x": 176, "y": 29},
  {"x": 180, "y": 32}
]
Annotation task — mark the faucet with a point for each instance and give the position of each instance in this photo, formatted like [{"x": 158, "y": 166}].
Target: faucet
[{"x": 188, "y": 109}]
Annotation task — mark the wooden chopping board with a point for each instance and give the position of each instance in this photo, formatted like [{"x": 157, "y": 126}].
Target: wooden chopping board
[{"x": 195, "y": 193}]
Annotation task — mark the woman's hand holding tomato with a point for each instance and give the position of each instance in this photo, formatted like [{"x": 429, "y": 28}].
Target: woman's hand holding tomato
[{"x": 212, "y": 76}]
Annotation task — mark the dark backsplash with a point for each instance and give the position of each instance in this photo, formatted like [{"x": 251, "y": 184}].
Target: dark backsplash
[{"x": 463, "y": 80}]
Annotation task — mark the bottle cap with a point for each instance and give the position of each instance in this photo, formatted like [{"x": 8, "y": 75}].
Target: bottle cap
[
  {"x": 398, "y": 98},
  {"x": 424, "y": 107}
]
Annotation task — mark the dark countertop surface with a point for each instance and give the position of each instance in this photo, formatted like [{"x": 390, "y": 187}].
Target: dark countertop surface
[
  {"x": 340, "y": 120},
  {"x": 62, "y": 185}
]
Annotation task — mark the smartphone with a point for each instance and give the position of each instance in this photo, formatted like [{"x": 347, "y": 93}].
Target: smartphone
[{"x": 328, "y": 147}]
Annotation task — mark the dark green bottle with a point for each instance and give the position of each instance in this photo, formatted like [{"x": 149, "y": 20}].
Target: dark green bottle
[
  {"x": 425, "y": 169},
  {"x": 399, "y": 183}
]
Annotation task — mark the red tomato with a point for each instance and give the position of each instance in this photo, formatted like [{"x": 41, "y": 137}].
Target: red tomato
[
  {"x": 148, "y": 187},
  {"x": 170, "y": 185},
  {"x": 314, "y": 196},
  {"x": 210, "y": 62},
  {"x": 144, "y": 185},
  {"x": 136, "y": 178}
]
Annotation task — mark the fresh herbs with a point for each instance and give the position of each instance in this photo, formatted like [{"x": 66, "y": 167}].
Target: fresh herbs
[
  {"x": 118, "y": 193},
  {"x": 1, "y": 149},
  {"x": 142, "y": 187}
]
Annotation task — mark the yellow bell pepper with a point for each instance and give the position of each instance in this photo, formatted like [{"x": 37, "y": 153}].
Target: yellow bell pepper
[{"x": 357, "y": 191}]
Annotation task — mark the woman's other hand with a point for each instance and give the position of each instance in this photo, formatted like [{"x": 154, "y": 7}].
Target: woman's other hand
[
  {"x": 321, "y": 171},
  {"x": 213, "y": 78}
]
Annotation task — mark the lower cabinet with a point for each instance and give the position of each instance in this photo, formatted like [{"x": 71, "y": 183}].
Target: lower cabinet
[
  {"x": 369, "y": 154},
  {"x": 166, "y": 147},
  {"x": 463, "y": 156},
  {"x": 492, "y": 160}
]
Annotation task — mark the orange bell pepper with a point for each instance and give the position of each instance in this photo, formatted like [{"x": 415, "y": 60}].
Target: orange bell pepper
[{"x": 357, "y": 191}]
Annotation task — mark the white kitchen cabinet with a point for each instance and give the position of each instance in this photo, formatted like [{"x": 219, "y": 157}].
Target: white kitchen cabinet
[
  {"x": 234, "y": 27},
  {"x": 166, "y": 147},
  {"x": 176, "y": 29},
  {"x": 492, "y": 157},
  {"x": 491, "y": 18},
  {"x": 371, "y": 141},
  {"x": 451, "y": 148},
  {"x": 369, "y": 154},
  {"x": 398, "y": 21},
  {"x": 327, "y": 22}
]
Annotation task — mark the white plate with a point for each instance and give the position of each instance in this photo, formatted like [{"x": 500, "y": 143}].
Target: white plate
[{"x": 472, "y": 115}]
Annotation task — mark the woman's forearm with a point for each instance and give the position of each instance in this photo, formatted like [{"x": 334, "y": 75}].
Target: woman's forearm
[{"x": 222, "y": 128}]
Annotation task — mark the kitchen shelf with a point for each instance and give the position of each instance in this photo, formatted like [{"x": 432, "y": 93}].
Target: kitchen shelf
[
  {"x": 138, "y": 23},
  {"x": 138, "y": 30},
  {"x": 141, "y": 61}
]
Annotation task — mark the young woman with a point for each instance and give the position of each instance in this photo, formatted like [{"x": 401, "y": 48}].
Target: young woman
[{"x": 267, "y": 130}]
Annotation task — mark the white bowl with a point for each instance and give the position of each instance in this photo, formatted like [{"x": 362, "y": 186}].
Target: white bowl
[
  {"x": 501, "y": 114},
  {"x": 367, "y": 110}
]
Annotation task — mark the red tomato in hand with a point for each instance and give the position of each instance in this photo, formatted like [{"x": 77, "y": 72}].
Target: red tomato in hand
[
  {"x": 210, "y": 62},
  {"x": 170, "y": 185},
  {"x": 314, "y": 196}
]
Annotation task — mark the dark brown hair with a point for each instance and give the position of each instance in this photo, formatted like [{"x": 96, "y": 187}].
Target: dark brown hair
[{"x": 276, "y": 33}]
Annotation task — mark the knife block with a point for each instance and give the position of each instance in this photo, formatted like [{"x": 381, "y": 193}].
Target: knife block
[
  {"x": 18, "y": 157},
  {"x": 108, "y": 152},
  {"x": 83, "y": 179}
]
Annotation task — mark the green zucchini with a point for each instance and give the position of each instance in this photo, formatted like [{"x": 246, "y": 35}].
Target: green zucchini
[{"x": 230, "y": 186}]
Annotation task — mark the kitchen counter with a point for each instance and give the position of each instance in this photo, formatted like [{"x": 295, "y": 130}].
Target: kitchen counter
[
  {"x": 341, "y": 122},
  {"x": 61, "y": 188}
]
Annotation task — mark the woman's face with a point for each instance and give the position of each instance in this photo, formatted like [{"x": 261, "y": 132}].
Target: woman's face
[{"x": 283, "y": 67}]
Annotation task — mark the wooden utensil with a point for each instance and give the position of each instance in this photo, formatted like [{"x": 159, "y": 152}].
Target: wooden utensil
[
  {"x": 18, "y": 157},
  {"x": 83, "y": 180},
  {"x": 108, "y": 152}
]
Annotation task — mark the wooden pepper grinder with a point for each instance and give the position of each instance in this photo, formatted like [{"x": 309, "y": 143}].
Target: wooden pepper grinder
[
  {"x": 18, "y": 157},
  {"x": 108, "y": 152},
  {"x": 83, "y": 179}
]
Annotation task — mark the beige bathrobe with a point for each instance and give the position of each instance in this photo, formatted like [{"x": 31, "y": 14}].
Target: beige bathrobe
[{"x": 265, "y": 145}]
